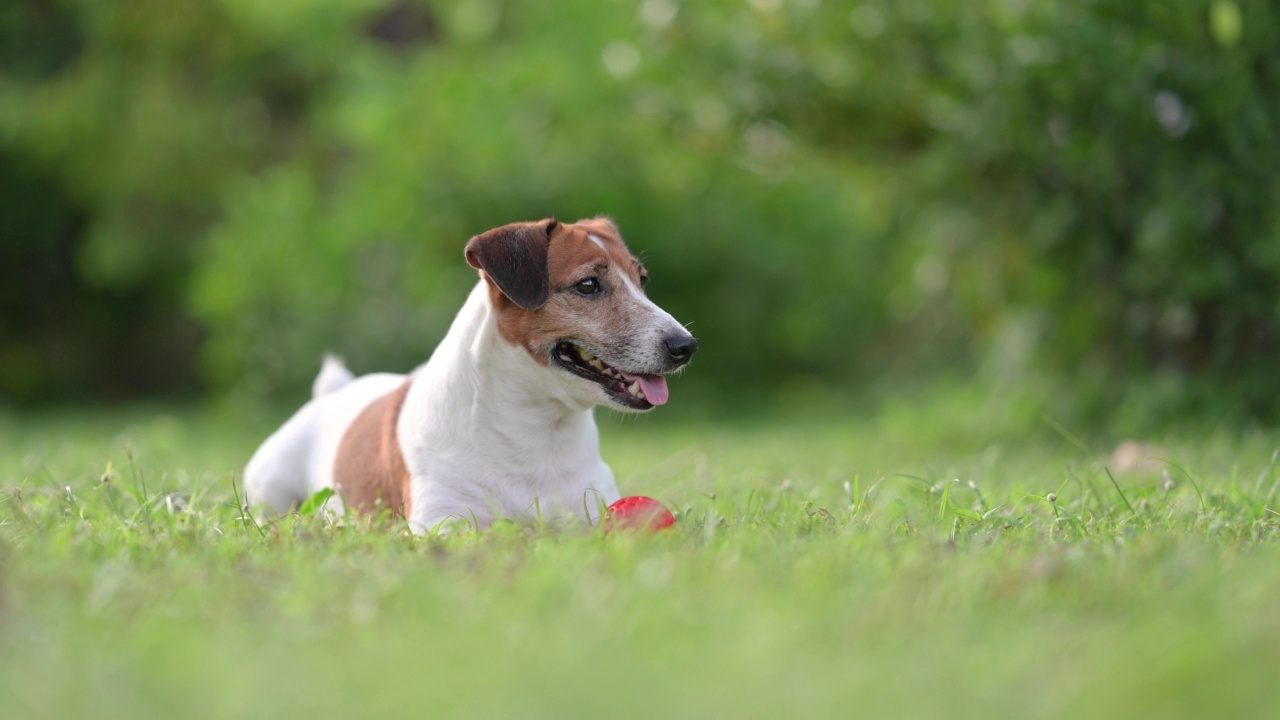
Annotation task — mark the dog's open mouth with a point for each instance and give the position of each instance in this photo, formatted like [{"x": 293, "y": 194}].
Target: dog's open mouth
[{"x": 641, "y": 392}]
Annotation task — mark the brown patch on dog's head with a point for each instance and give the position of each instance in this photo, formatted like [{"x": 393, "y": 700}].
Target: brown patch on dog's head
[{"x": 549, "y": 281}]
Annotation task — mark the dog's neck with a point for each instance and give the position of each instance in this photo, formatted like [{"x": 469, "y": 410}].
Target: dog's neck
[{"x": 494, "y": 388}]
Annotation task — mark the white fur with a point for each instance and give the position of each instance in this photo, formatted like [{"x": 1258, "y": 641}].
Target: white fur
[
  {"x": 647, "y": 348},
  {"x": 486, "y": 431}
]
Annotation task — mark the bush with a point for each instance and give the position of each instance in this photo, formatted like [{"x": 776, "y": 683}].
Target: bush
[
  {"x": 831, "y": 192},
  {"x": 1085, "y": 189}
]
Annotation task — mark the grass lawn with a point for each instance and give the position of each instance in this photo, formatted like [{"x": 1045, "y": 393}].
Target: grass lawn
[{"x": 860, "y": 568}]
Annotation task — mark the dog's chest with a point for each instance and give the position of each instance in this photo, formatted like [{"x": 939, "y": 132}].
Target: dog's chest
[{"x": 556, "y": 473}]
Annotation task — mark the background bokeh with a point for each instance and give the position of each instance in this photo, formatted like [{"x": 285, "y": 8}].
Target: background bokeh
[{"x": 1074, "y": 202}]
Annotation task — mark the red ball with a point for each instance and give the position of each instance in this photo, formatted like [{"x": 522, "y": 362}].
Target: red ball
[{"x": 639, "y": 513}]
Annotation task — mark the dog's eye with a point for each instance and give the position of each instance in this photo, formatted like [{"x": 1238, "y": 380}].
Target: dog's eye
[
  {"x": 590, "y": 286},
  {"x": 644, "y": 281}
]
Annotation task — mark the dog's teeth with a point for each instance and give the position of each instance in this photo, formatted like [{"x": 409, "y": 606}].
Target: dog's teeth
[
  {"x": 586, "y": 355},
  {"x": 609, "y": 372},
  {"x": 596, "y": 364},
  {"x": 634, "y": 389}
]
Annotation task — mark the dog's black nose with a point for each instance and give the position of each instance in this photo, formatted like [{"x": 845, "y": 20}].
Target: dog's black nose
[{"x": 681, "y": 347}]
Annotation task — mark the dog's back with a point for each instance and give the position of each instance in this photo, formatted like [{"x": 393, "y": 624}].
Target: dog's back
[{"x": 297, "y": 460}]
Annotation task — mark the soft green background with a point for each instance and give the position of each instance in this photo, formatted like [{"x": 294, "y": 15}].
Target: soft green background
[{"x": 1074, "y": 203}]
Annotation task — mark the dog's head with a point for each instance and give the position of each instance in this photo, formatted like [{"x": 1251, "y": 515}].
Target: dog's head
[{"x": 573, "y": 297}]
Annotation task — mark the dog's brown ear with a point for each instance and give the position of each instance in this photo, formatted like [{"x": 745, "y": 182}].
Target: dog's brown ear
[{"x": 515, "y": 257}]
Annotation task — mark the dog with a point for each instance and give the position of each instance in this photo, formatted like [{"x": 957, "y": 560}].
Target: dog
[{"x": 499, "y": 422}]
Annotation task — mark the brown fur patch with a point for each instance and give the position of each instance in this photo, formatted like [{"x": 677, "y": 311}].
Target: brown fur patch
[
  {"x": 571, "y": 257},
  {"x": 370, "y": 470}
]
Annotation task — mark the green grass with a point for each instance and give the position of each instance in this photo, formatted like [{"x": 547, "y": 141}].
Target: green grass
[{"x": 819, "y": 569}]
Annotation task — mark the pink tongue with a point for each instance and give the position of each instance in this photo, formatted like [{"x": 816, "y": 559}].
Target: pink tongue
[{"x": 654, "y": 387}]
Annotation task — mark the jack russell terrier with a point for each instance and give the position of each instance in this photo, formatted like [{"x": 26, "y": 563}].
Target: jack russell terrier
[{"x": 498, "y": 423}]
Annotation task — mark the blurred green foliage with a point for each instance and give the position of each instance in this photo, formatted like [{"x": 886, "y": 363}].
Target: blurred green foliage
[{"x": 832, "y": 192}]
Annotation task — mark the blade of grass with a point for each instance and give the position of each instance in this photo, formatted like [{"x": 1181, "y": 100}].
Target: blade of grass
[
  {"x": 1117, "y": 486},
  {"x": 1190, "y": 479},
  {"x": 1065, "y": 433},
  {"x": 245, "y": 516}
]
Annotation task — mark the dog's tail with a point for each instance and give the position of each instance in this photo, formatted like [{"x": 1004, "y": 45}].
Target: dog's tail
[{"x": 334, "y": 375}]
